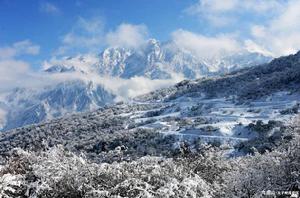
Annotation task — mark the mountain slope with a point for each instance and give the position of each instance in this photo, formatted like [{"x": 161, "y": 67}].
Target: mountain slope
[
  {"x": 152, "y": 61},
  {"x": 250, "y": 83}
]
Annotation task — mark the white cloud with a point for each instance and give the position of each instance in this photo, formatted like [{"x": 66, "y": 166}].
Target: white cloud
[
  {"x": 213, "y": 11},
  {"x": 124, "y": 89},
  {"x": 204, "y": 46},
  {"x": 26, "y": 47},
  {"x": 19, "y": 48},
  {"x": 280, "y": 35},
  {"x": 7, "y": 52},
  {"x": 129, "y": 88},
  {"x": 258, "y": 31},
  {"x": 127, "y": 35},
  {"x": 274, "y": 25},
  {"x": 49, "y": 8},
  {"x": 213, "y": 6},
  {"x": 10, "y": 69},
  {"x": 86, "y": 34},
  {"x": 255, "y": 48},
  {"x": 228, "y": 12},
  {"x": 15, "y": 72},
  {"x": 260, "y": 6}
]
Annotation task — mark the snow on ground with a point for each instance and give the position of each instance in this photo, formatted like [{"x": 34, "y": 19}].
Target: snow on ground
[{"x": 224, "y": 119}]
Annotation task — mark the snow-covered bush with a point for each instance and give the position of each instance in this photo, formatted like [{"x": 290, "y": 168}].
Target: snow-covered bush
[
  {"x": 277, "y": 171},
  {"x": 59, "y": 173},
  {"x": 10, "y": 185}
]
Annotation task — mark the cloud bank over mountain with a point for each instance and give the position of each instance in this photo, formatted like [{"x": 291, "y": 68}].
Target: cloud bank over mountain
[{"x": 273, "y": 25}]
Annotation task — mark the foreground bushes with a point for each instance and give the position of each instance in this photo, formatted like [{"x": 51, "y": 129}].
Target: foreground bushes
[
  {"x": 59, "y": 173},
  {"x": 207, "y": 172}
]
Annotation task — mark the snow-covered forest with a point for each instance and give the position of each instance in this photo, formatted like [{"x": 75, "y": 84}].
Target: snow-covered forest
[{"x": 56, "y": 172}]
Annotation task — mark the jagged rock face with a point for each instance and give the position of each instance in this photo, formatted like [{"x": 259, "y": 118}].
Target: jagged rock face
[
  {"x": 112, "y": 61},
  {"x": 160, "y": 61}
]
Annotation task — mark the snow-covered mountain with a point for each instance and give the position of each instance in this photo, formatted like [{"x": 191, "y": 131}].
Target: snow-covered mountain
[
  {"x": 28, "y": 106},
  {"x": 156, "y": 61},
  {"x": 153, "y": 61}
]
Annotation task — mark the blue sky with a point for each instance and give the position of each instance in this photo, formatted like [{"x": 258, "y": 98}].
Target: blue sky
[
  {"x": 33, "y": 31},
  {"x": 36, "y": 21}
]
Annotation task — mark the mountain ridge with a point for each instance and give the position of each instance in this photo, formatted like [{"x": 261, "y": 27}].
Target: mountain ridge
[{"x": 154, "y": 61}]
